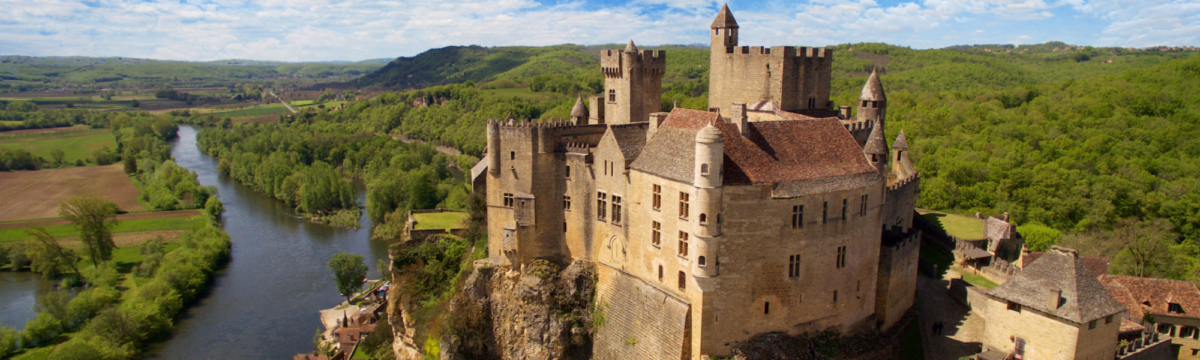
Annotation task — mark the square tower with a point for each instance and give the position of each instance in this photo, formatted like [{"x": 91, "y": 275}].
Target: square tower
[{"x": 632, "y": 84}]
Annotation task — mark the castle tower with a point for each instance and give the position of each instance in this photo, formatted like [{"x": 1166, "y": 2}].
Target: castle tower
[
  {"x": 632, "y": 84},
  {"x": 579, "y": 113},
  {"x": 493, "y": 147},
  {"x": 724, "y": 30},
  {"x": 872, "y": 104},
  {"x": 901, "y": 151},
  {"x": 876, "y": 149},
  {"x": 710, "y": 155}
]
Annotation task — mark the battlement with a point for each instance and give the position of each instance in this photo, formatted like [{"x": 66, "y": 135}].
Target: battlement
[
  {"x": 577, "y": 148},
  {"x": 652, "y": 62},
  {"x": 533, "y": 123},
  {"x": 784, "y": 52},
  {"x": 896, "y": 237},
  {"x": 902, "y": 183}
]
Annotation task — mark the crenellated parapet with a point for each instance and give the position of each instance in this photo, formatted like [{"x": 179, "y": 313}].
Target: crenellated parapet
[
  {"x": 614, "y": 63},
  {"x": 905, "y": 183}
]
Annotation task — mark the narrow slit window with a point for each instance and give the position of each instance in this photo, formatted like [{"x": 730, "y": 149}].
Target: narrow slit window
[
  {"x": 567, "y": 172},
  {"x": 862, "y": 208},
  {"x": 682, "y": 281},
  {"x": 566, "y": 203},
  {"x": 844, "y": 204},
  {"x": 766, "y": 307},
  {"x": 841, "y": 257},
  {"x": 512, "y": 155},
  {"x": 824, "y": 212},
  {"x": 660, "y": 273},
  {"x": 612, "y": 95}
]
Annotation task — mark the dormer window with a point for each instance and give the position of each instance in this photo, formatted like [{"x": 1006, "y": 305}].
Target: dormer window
[{"x": 1174, "y": 308}]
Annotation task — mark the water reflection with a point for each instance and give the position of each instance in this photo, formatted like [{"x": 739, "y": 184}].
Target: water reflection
[
  {"x": 18, "y": 293},
  {"x": 264, "y": 304}
]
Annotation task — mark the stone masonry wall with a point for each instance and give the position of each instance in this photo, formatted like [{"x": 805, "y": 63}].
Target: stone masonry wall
[
  {"x": 1047, "y": 337},
  {"x": 643, "y": 322}
]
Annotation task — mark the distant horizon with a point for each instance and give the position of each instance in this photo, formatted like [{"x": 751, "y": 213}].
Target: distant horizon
[
  {"x": 329, "y": 30},
  {"x": 584, "y": 45}
]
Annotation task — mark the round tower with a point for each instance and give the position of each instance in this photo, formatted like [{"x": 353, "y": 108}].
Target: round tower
[
  {"x": 872, "y": 104},
  {"x": 579, "y": 113},
  {"x": 710, "y": 154},
  {"x": 493, "y": 147},
  {"x": 876, "y": 149}
]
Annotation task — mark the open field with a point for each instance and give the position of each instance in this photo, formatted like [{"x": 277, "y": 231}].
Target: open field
[
  {"x": 443, "y": 220},
  {"x": 36, "y": 133},
  {"x": 962, "y": 227},
  {"x": 37, "y": 194},
  {"x": 181, "y": 220},
  {"x": 274, "y": 109},
  {"x": 77, "y": 145}
]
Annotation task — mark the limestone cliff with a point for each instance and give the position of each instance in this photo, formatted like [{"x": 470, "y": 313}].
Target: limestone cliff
[{"x": 543, "y": 312}]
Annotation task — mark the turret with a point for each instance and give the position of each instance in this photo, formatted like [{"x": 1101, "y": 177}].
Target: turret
[
  {"x": 724, "y": 30},
  {"x": 493, "y": 147},
  {"x": 710, "y": 155},
  {"x": 579, "y": 113},
  {"x": 872, "y": 104},
  {"x": 900, "y": 148},
  {"x": 876, "y": 149}
]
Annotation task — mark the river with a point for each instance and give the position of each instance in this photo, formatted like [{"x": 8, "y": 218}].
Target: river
[{"x": 264, "y": 303}]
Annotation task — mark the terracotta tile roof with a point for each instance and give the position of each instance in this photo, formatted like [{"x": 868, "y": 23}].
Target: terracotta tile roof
[
  {"x": 1153, "y": 296},
  {"x": 631, "y": 138},
  {"x": 1059, "y": 269},
  {"x": 774, "y": 152}
]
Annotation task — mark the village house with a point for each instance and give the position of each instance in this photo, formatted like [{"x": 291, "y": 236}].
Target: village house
[{"x": 1169, "y": 307}]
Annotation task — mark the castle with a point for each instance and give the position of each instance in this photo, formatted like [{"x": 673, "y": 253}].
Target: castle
[{"x": 769, "y": 212}]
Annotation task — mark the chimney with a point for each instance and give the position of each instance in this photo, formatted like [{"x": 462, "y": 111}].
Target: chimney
[
  {"x": 844, "y": 112},
  {"x": 1005, "y": 216},
  {"x": 656, "y": 120},
  {"x": 739, "y": 118},
  {"x": 596, "y": 110},
  {"x": 1053, "y": 298}
]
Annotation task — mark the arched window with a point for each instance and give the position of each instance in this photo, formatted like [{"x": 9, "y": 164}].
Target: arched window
[
  {"x": 704, "y": 169},
  {"x": 701, "y": 261},
  {"x": 703, "y": 218}
]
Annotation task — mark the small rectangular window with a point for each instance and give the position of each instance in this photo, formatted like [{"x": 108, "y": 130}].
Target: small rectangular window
[
  {"x": 794, "y": 266},
  {"x": 844, "y": 204},
  {"x": 567, "y": 172},
  {"x": 616, "y": 209},
  {"x": 612, "y": 95},
  {"x": 683, "y": 244},
  {"x": 1091, "y": 324},
  {"x": 835, "y": 296},
  {"x": 508, "y": 200},
  {"x": 656, "y": 235},
  {"x": 682, "y": 281},
  {"x": 512, "y": 155},
  {"x": 601, "y": 205},
  {"x": 841, "y": 257},
  {"x": 824, "y": 212},
  {"x": 1108, "y": 319},
  {"x": 1014, "y": 306},
  {"x": 766, "y": 307},
  {"x": 797, "y": 216},
  {"x": 862, "y": 209},
  {"x": 564, "y": 226},
  {"x": 566, "y": 203},
  {"x": 683, "y": 205},
  {"x": 1174, "y": 308},
  {"x": 657, "y": 203}
]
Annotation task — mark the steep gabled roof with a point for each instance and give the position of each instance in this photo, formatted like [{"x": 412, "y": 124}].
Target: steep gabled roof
[
  {"x": 724, "y": 19},
  {"x": 781, "y": 152},
  {"x": 631, "y": 138},
  {"x": 873, "y": 90},
  {"x": 1084, "y": 298},
  {"x": 901, "y": 141}
]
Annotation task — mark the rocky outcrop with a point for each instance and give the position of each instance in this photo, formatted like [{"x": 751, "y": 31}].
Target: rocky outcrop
[
  {"x": 828, "y": 345},
  {"x": 543, "y": 312}
]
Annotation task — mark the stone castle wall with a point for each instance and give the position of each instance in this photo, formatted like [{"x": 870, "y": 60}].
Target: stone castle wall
[
  {"x": 642, "y": 320},
  {"x": 901, "y": 198},
  {"x": 897, "y": 276},
  {"x": 632, "y": 84}
]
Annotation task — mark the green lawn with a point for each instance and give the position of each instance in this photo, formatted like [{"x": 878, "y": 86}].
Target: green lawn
[
  {"x": 182, "y": 222},
  {"x": 75, "y": 147},
  {"x": 977, "y": 280},
  {"x": 124, "y": 258},
  {"x": 36, "y": 353},
  {"x": 10, "y": 123},
  {"x": 911, "y": 347},
  {"x": 962, "y": 227},
  {"x": 359, "y": 353},
  {"x": 301, "y": 102},
  {"x": 442, "y": 220}
]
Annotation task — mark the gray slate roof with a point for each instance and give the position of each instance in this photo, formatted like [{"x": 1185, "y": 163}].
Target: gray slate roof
[
  {"x": 724, "y": 19},
  {"x": 1060, "y": 269},
  {"x": 579, "y": 110},
  {"x": 873, "y": 90},
  {"x": 901, "y": 141},
  {"x": 631, "y": 138},
  {"x": 875, "y": 143}
]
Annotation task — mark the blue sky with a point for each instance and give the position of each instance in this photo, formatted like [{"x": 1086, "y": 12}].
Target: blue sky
[{"x": 320, "y": 30}]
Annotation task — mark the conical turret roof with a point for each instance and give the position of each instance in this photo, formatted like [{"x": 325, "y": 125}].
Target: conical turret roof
[
  {"x": 876, "y": 144},
  {"x": 901, "y": 142},
  {"x": 724, "y": 19},
  {"x": 631, "y": 48},
  {"x": 579, "y": 110},
  {"x": 873, "y": 90}
]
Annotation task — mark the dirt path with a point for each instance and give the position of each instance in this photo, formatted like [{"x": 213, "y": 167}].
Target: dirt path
[
  {"x": 137, "y": 216},
  {"x": 963, "y": 331}
]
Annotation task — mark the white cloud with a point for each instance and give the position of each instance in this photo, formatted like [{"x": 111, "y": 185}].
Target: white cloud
[{"x": 1146, "y": 23}]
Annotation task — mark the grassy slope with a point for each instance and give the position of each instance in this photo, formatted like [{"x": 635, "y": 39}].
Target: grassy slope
[
  {"x": 19, "y": 234},
  {"x": 963, "y": 227},
  {"x": 445, "y": 220},
  {"x": 75, "y": 147}
]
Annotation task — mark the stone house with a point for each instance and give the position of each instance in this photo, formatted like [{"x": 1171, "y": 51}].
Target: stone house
[
  {"x": 768, "y": 212},
  {"x": 1055, "y": 308},
  {"x": 1169, "y": 307}
]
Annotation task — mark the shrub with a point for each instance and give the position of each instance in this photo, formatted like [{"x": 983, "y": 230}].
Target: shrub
[
  {"x": 41, "y": 329},
  {"x": 8, "y": 341}
]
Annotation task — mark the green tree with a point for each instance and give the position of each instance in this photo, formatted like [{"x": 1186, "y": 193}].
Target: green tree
[
  {"x": 8, "y": 341},
  {"x": 130, "y": 164},
  {"x": 47, "y": 256},
  {"x": 58, "y": 155},
  {"x": 1039, "y": 237},
  {"x": 95, "y": 218},
  {"x": 349, "y": 272}
]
